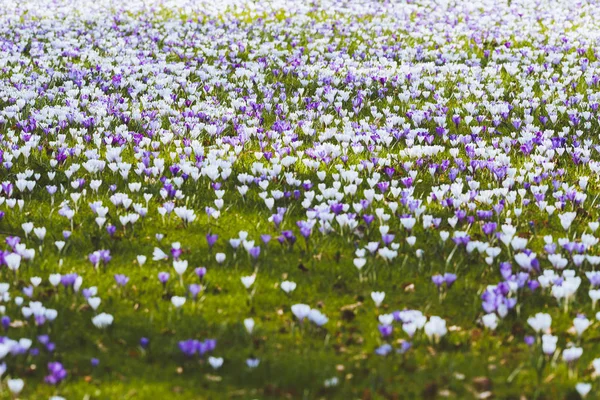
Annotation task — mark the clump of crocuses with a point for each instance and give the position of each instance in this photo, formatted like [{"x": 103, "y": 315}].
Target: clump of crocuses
[{"x": 443, "y": 283}]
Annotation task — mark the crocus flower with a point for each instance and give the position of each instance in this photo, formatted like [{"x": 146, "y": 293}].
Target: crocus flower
[
  {"x": 56, "y": 373},
  {"x": 121, "y": 279},
  {"x": 163, "y": 277}
]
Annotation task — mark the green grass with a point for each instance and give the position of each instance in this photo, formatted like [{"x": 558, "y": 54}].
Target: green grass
[{"x": 295, "y": 358}]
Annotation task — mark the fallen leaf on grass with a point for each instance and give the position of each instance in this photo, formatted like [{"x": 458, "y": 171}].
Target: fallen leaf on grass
[{"x": 213, "y": 378}]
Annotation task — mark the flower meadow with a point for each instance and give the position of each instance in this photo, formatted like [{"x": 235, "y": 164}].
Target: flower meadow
[{"x": 299, "y": 199}]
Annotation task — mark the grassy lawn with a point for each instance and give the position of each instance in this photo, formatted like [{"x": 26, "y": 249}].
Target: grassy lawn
[{"x": 299, "y": 200}]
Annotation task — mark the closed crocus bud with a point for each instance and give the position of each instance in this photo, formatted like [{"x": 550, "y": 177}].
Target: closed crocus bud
[
  {"x": 529, "y": 340},
  {"x": 435, "y": 328},
  {"x": 178, "y": 301},
  {"x": 596, "y": 366},
  {"x": 50, "y": 314},
  {"x": 15, "y": 385},
  {"x": 386, "y": 319},
  {"x": 288, "y": 286},
  {"x": 490, "y": 321},
  {"x": 300, "y": 311},
  {"x": 248, "y": 281},
  {"x": 449, "y": 278},
  {"x": 595, "y": 296},
  {"x": 580, "y": 324},
  {"x": 549, "y": 344},
  {"x": 378, "y": 298},
  {"x": 249, "y": 324},
  {"x": 94, "y": 302},
  {"x": 541, "y": 322},
  {"x": 437, "y": 280},
  {"x": 215, "y": 362},
  {"x": 583, "y": 389},
  {"x": 385, "y": 330},
  {"x": 5, "y": 320},
  {"x": 200, "y": 272},
  {"x": 13, "y": 261},
  {"x": 359, "y": 263},
  {"x": 572, "y": 354},
  {"x": 194, "y": 290},
  {"x": 163, "y": 277},
  {"x": 180, "y": 266},
  {"x": 54, "y": 279},
  {"x": 317, "y": 317},
  {"x": 103, "y": 320},
  {"x": 252, "y": 362}
]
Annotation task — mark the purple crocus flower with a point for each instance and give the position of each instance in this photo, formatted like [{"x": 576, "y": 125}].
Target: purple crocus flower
[
  {"x": 594, "y": 278},
  {"x": 201, "y": 272},
  {"x": 194, "y": 289},
  {"x": 385, "y": 330},
  {"x": 188, "y": 347},
  {"x": 529, "y": 340},
  {"x": 176, "y": 252},
  {"x": 40, "y": 320},
  {"x": 211, "y": 240},
  {"x": 265, "y": 238},
  {"x": 94, "y": 258},
  {"x": 533, "y": 285},
  {"x": 163, "y": 277},
  {"x": 305, "y": 231},
  {"x": 489, "y": 228},
  {"x": 121, "y": 279},
  {"x": 277, "y": 220},
  {"x": 289, "y": 236},
  {"x": 28, "y": 291},
  {"x": 438, "y": 280},
  {"x": 105, "y": 256},
  {"x": 111, "y": 229},
  {"x": 387, "y": 238},
  {"x": 56, "y": 373},
  {"x": 449, "y": 278},
  {"x": 12, "y": 241},
  {"x": 505, "y": 269},
  {"x": 68, "y": 279},
  {"x": 206, "y": 346},
  {"x": 383, "y": 350},
  {"x": 209, "y": 345},
  {"x": 255, "y": 252}
]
